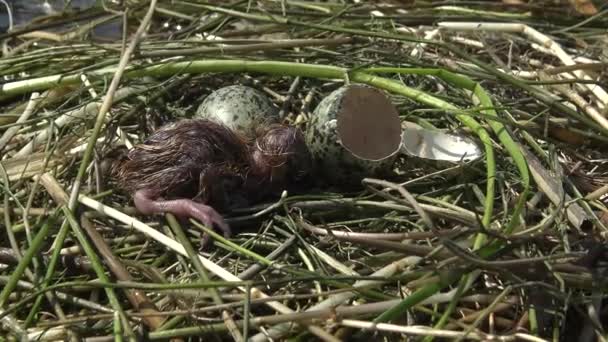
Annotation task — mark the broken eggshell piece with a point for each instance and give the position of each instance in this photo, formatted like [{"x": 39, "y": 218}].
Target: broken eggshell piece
[
  {"x": 436, "y": 145},
  {"x": 354, "y": 132},
  {"x": 239, "y": 107}
]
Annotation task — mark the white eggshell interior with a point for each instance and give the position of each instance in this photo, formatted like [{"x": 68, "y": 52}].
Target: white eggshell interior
[{"x": 430, "y": 144}]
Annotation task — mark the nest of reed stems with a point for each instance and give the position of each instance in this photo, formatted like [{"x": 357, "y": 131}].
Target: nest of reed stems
[{"x": 509, "y": 247}]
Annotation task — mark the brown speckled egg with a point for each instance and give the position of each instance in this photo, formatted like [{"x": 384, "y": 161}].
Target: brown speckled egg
[
  {"x": 354, "y": 132},
  {"x": 238, "y": 107}
]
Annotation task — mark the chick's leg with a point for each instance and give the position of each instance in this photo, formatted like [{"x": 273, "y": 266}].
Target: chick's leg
[{"x": 148, "y": 205}]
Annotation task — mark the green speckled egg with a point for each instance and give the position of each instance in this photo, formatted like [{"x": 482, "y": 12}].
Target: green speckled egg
[
  {"x": 355, "y": 132},
  {"x": 238, "y": 107}
]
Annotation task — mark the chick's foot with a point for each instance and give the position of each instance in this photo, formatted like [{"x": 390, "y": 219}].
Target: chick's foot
[{"x": 183, "y": 208}]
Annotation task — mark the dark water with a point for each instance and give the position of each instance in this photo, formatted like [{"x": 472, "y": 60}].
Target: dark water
[{"x": 24, "y": 11}]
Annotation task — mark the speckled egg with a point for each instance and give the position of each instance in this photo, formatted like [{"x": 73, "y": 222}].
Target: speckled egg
[
  {"x": 354, "y": 132},
  {"x": 238, "y": 107}
]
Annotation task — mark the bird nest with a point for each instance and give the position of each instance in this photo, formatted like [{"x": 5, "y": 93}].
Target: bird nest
[{"x": 509, "y": 246}]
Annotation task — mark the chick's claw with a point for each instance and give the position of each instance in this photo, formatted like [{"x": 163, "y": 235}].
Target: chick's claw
[
  {"x": 211, "y": 219},
  {"x": 183, "y": 208}
]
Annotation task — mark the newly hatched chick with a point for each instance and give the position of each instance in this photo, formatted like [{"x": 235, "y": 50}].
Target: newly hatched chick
[{"x": 198, "y": 168}]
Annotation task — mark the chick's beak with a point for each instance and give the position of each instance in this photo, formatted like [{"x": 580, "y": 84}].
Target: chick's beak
[{"x": 278, "y": 174}]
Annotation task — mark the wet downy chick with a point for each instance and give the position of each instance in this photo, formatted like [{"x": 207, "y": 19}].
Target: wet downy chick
[
  {"x": 281, "y": 158},
  {"x": 198, "y": 168}
]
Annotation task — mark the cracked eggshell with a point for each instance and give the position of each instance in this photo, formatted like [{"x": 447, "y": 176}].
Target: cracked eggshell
[
  {"x": 354, "y": 132},
  {"x": 438, "y": 145},
  {"x": 238, "y": 107}
]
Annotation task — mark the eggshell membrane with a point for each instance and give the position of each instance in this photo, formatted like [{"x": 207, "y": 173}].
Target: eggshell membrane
[{"x": 368, "y": 124}]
